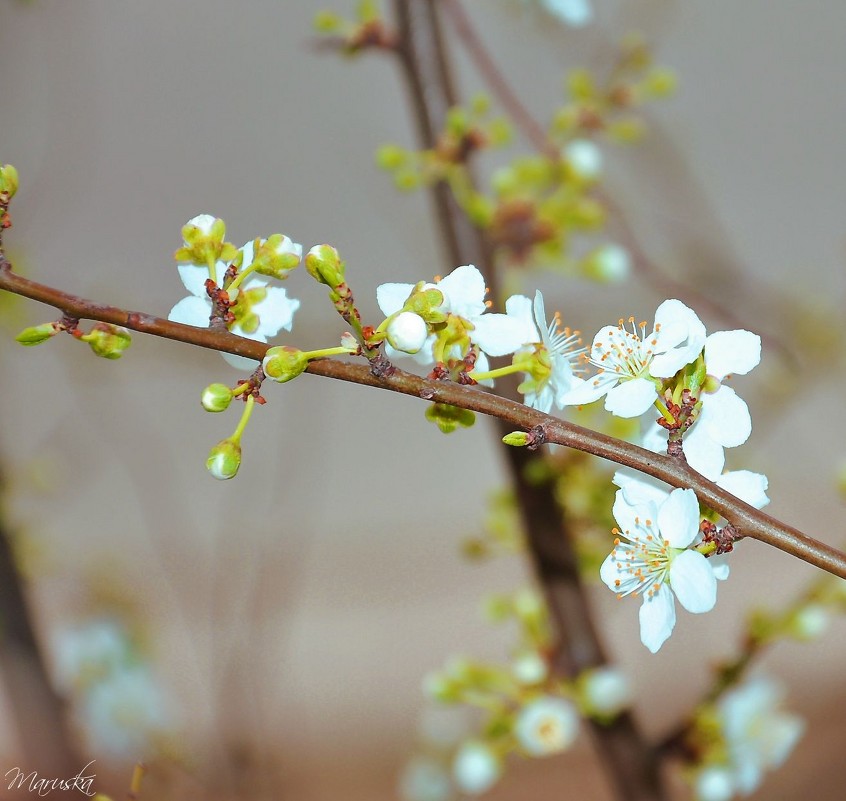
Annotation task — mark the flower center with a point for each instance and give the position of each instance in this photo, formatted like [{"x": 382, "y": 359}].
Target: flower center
[{"x": 626, "y": 354}]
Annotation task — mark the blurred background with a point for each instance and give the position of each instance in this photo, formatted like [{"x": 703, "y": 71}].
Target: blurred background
[{"x": 273, "y": 631}]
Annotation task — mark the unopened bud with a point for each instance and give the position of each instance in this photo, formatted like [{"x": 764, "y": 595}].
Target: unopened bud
[
  {"x": 37, "y": 334},
  {"x": 284, "y": 363},
  {"x": 325, "y": 266},
  {"x": 609, "y": 264},
  {"x": 584, "y": 158},
  {"x": 224, "y": 459},
  {"x": 204, "y": 237},
  {"x": 8, "y": 180},
  {"x": 516, "y": 438},
  {"x": 216, "y": 398},
  {"x": 428, "y": 301},
  {"x": 277, "y": 256},
  {"x": 407, "y": 332},
  {"x": 108, "y": 341}
]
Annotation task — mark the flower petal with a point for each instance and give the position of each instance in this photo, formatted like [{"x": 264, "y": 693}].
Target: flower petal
[
  {"x": 639, "y": 489},
  {"x": 732, "y": 352},
  {"x": 497, "y": 334},
  {"x": 726, "y": 417},
  {"x": 392, "y": 297},
  {"x": 194, "y": 278},
  {"x": 693, "y": 581},
  {"x": 678, "y": 518},
  {"x": 519, "y": 307},
  {"x": 746, "y": 485},
  {"x": 681, "y": 336},
  {"x": 657, "y": 618},
  {"x": 703, "y": 454},
  {"x": 275, "y": 311},
  {"x": 464, "y": 291},
  {"x": 191, "y": 311},
  {"x": 631, "y": 398},
  {"x": 240, "y": 362},
  {"x": 629, "y": 515}
]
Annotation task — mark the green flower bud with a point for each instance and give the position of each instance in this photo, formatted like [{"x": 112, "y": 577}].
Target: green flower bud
[
  {"x": 108, "y": 341},
  {"x": 216, "y": 398},
  {"x": 426, "y": 302},
  {"x": 284, "y": 363},
  {"x": 37, "y": 334},
  {"x": 325, "y": 266},
  {"x": 327, "y": 22},
  {"x": 516, "y": 438},
  {"x": 8, "y": 180},
  {"x": 224, "y": 459},
  {"x": 391, "y": 157},
  {"x": 277, "y": 256},
  {"x": 204, "y": 237}
]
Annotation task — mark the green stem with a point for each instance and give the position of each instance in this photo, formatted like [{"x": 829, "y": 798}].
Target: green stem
[
  {"x": 245, "y": 418},
  {"x": 212, "y": 265},
  {"x": 509, "y": 369},
  {"x": 317, "y": 354}
]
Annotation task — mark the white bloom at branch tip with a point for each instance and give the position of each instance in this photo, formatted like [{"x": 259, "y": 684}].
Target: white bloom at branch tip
[
  {"x": 759, "y": 735},
  {"x": 268, "y": 308},
  {"x": 651, "y": 558},
  {"x": 576, "y": 13},
  {"x": 630, "y": 362},
  {"x": 546, "y": 725},
  {"x": 476, "y": 768},
  {"x": 203, "y": 222},
  {"x": 714, "y": 784}
]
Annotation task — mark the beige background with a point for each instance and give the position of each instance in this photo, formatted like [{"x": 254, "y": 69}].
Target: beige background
[{"x": 293, "y": 612}]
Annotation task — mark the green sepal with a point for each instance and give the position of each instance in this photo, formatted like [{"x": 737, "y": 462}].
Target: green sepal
[{"x": 448, "y": 418}]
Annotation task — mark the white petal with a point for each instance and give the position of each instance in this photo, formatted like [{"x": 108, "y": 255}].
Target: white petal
[
  {"x": 631, "y": 398},
  {"x": 627, "y": 514},
  {"x": 703, "y": 454},
  {"x": 673, "y": 316},
  {"x": 657, "y": 618},
  {"x": 392, "y": 297},
  {"x": 275, "y": 311},
  {"x": 734, "y": 352},
  {"x": 654, "y": 438},
  {"x": 520, "y": 308},
  {"x": 609, "y": 573},
  {"x": 726, "y": 417},
  {"x": 482, "y": 365},
  {"x": 191, "y": 311},
  {"x": 678, "y": 518},
  {"x": 590, "y": 390},
  {"x": 194, "y": 278},
  {"x": 720, "y": 566},
  {"x": 408, "y": 332},
  {"x": 746, "y": 485},
  {"x": 693, "y": 582},
  {"x": 464, "y": 289},
  {"x": 497, "y": 334},
  {"x": 639, "y": 489}
]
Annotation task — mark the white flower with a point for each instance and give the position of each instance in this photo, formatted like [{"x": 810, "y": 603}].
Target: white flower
[
  {"x": 547, "y": 725},
  {"x": 124, "y": 712},
  {"x": 629, "y": 363},
  {"x": 203, "y": 222},
  {"x": 651, "y": 558},
  {"x": 611, "y": 263},
  {"x": 464, "y": 294},
  {"x": 87, "y": 652},
  {"x": 261, "y": 311},
  {"x": 576, "y": 13},
  {"x": 529, "y": 668},
  {"x": 759, "y": 735},
  {"x": 552, "y": 353},
  {"x": 476, "y": 768},
  {"x": 605, "y": 690}
]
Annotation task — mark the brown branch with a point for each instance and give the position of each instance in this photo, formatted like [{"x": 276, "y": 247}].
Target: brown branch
[{"x": 752, "y": 523}]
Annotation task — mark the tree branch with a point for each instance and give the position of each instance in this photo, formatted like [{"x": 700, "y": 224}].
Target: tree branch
[{"x": 751, "y": 522}]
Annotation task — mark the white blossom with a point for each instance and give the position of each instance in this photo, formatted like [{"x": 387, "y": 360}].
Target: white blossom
[
  {"x": 547, "y": 725},
  {"x": 631, "y": 362},
  {"x": 584, "y": 157},
  {"x": 606, "y": 690},
  {"x": 425, "y": 779},
  {"x": 407, "y": 332},
  {"x": 263, "y": 309},
  {"x": 759, "y": 735},
  {"x": 651, "y": 558},
  {"x": 576, "y": 13}
]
